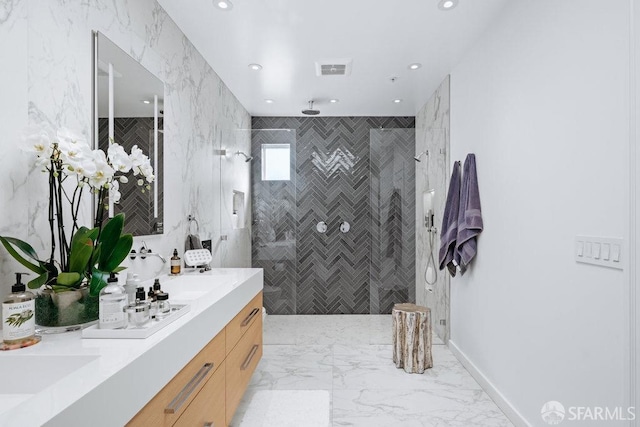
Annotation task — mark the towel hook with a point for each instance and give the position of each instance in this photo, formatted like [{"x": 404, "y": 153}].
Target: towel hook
[{"x": 192, "y": 218}]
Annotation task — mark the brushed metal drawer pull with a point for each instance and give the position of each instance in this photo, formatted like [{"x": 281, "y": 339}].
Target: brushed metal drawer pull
[
  {"x": 209, "y": 425},
  {"x": 251, "y": 315},
  {"x": 184, "y": 394},
  {"x": 252, "y": 353}
]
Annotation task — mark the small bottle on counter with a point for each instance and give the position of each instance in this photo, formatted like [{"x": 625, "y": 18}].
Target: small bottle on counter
[
  {"x": 164, "y": 307},
  {"x": 175, "y": 263},
  {"x": 151, "y": 295},
  {"x": 156, "y": 286},
  {"x": 112, "y": 302},
  {"x": 130, "y": 287},
  {"x": 18, "y": 314},
  {"x": 139, "y": 312}
]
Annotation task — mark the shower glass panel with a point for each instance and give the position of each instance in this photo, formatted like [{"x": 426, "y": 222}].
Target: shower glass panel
[
  {"x": 274, "y": 216},
  {"x": 392, "y": 271},
  {"x": 234, "y": 210}
]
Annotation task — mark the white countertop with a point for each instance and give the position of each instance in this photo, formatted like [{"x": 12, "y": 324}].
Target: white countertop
[{"x": 119, "y": 376}]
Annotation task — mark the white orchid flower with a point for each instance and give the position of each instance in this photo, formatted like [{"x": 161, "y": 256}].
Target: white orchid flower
[
  {"x": 38, "y": 140},
  {"x": 66, "y": 136},
  {"x": 123, "y": 179},
  {"x": 104, "y": 172},
  {"x": 137, "y": 157},
  {"x": 78, "y": 157},
  {"x": 114, "y": 193},
  {"x": 119, "y": 158}
]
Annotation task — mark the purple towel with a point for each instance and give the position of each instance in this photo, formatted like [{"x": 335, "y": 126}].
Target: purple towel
[
  {"x": 449, "y": 230},
  {"x": 469, "y": 216}
]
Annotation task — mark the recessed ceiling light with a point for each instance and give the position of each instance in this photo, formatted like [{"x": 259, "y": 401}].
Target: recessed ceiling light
[
  {"x": 224, "y": 4},
  {"x": 447, "y": 4},
  {"x": 333, "y": 101},
  {"x": 144, "y": 101},
  {"x": 415, "y": 66},
  {"x": 269, "y": 101},
  {"x": 255, "y": 67},
  {"x": 397, "y": 101}
]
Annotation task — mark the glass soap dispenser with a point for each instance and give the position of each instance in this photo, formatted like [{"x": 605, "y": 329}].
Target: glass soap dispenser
[
  {"x": 113, "y": 300},
  {"x": 18, "y": 314}
]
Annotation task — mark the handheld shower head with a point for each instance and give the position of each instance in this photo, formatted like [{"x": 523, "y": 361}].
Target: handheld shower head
[
  {"x": 424, "y": 153},
  {"x": 247, "y": 158}
]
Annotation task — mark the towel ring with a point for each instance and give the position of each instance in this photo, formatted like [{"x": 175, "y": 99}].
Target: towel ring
[{"x": 192, "y": 219}]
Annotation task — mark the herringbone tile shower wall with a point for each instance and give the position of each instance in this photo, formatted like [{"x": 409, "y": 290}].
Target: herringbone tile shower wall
[
  {"x": 334, "y": 179},
  {"x": 136, "y": 204}
]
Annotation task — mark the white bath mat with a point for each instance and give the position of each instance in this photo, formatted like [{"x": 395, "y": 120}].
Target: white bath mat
[{"x": 288, "y": 408}]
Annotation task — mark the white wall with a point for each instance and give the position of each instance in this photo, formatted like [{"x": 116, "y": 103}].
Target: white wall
[
  {"x": 45, "y": 52},
  {"x": 542, "y": 99}
]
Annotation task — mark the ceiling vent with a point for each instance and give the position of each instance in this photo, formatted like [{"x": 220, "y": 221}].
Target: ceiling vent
[{"x": 334, "y": 67}]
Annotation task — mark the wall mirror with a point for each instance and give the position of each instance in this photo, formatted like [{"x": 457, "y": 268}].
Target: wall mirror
[{"x": 128, "y": 109}]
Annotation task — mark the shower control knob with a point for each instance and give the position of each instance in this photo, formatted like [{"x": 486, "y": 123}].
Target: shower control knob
[
  {"x": 345, "y": 227},
  {"x": 321, "y": 227}
]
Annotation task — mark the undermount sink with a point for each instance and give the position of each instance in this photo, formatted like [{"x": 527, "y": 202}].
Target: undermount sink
[{"x": 27, "y": 374}]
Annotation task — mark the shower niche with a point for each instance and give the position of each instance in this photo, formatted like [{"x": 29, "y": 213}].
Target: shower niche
[{"x": 237, "y": 215}]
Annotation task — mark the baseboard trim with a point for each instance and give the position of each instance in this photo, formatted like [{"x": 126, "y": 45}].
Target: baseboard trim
[{"x": 503, "y": 403}]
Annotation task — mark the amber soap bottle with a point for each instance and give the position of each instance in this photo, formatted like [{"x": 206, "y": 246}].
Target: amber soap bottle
[{"x": 175, "y": 263}]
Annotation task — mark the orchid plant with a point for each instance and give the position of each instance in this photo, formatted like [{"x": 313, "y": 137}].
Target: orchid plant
[{"x": 84, "y": 255}]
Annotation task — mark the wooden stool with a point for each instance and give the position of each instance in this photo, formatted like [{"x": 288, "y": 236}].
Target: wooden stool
[{"x": 412, "y": 338}]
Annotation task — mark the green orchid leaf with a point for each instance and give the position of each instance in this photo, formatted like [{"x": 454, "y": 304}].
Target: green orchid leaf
[
  {"x": 93, "y": 233},
  {"x": 96, "y": 254},
  {"x": 7, "y": 242},
  {"x": 119, "y": 253},
  {"x": 119, "y": 269},
  {"x": 70, "y": 279},
  {"x": 61, "y": 288},
  {"x": 23, "y": 246},
  {"x": 98, "y": 281},
  {"x": 38, "y": 281},
  {"x": 109, "y": 239},
  {"x": 81, "y": 250}
]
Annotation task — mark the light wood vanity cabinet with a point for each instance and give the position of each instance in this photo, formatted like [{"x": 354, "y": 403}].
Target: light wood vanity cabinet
[{"x": 207, "y": 391}]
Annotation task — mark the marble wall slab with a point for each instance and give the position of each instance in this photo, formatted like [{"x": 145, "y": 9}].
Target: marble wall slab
[
  {"x": 432, "y": 134},
  {"x": 46, "y": 57}
]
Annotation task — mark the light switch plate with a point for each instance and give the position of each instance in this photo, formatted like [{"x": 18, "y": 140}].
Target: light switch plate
[{"x": 602, "y": 251}]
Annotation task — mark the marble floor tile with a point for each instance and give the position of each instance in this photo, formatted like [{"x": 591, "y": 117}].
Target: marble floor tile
[
  {"x": 372, "y": 367},
  {"x": 351, "y": 358},
  {"x": 380, "y": 329},
  {"x": 278, "y": 330},
  {"x": 286, "y": 408},
  {"x": 408, "y": 408},
  {"x": 332, "y": 329},
  {"x": 291, "y": 358},
  {"x": 293, "y": 380}
]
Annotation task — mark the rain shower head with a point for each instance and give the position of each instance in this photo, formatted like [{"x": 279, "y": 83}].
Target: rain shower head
[
  {"x": 311, "y": 111},
  {"x": 424, "y": 153},
  {"x": 247, "y": 158}
]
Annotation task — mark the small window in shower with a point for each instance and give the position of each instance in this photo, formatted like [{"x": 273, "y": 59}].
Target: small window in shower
[{"x": 276, "y": 162}]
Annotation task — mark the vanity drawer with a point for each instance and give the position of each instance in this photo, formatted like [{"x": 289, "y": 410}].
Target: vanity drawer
[
  {"x": 207, "y": 409},
  {"x": 169, "y": 404},
  {"x": 240, "y": 364},
  {"x": 243, "y": 321}
]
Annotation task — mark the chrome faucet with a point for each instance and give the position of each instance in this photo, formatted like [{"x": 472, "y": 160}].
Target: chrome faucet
[{"x": 145, "y": 252}]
